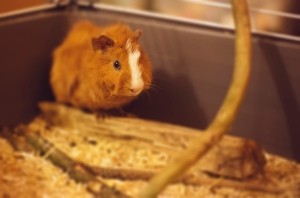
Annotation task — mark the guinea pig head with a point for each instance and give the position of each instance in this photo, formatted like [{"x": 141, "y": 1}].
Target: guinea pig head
[{"x": 123, "y": 68}]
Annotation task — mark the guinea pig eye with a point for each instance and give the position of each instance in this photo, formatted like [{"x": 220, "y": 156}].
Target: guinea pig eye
[{"x": 117, "y": 65}]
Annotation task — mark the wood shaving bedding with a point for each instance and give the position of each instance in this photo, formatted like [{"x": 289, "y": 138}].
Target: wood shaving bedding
[{"x": 25, "y": 175}]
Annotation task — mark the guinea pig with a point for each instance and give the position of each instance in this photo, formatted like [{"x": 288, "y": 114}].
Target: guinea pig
[{"x": 100, "y": 67}]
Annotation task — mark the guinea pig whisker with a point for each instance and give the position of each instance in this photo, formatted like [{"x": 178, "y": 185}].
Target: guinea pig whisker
[
  {"x": 154, "y": 88},
  {"x": 147, "y": 94}
]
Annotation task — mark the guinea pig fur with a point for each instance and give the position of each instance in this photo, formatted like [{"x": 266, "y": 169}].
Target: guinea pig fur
[{"x": 100, "y": 67}]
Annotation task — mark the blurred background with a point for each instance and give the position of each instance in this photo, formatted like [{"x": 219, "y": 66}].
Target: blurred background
[{"x": 276, "y": 16}]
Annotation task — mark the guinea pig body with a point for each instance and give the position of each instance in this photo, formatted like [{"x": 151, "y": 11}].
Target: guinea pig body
[{"x": 100, "y": 68}]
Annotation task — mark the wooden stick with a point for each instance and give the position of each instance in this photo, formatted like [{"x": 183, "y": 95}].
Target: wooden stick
[{"x": 227, "y": 113}]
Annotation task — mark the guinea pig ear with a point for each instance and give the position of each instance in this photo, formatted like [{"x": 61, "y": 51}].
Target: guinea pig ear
[
  {"x": 137, "y": 34},
  {"x": 102, "y": 43}
]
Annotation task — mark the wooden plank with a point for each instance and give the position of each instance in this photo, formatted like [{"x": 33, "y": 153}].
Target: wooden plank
[{"x": 233, "y": 157}]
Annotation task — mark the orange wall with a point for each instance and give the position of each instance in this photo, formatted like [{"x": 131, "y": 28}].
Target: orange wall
[{"x": 9, "y": 5}]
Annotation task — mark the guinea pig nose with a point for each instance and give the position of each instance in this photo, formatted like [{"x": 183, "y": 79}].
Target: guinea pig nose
[{"x": 135, "y": 91}]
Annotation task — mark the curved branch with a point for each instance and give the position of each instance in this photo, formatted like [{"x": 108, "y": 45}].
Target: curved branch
[{"x": 227, "y": 113}]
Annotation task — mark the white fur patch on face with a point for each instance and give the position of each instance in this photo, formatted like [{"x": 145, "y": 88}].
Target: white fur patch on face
[{"x": 137, "y": 82}]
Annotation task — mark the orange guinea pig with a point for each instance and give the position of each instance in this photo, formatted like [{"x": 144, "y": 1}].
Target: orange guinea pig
[{"x": 100, "y": 67}]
